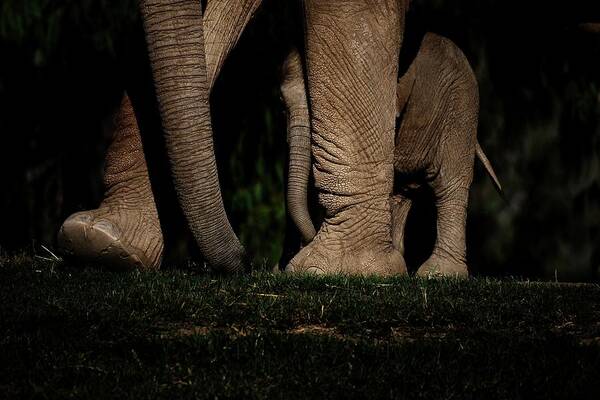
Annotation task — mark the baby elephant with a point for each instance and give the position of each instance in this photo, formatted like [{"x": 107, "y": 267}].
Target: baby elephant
[
  {"x": 435, "y": 145},
  {"x": 436, "y": 142}
]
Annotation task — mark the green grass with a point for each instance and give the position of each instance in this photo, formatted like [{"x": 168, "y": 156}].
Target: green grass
[{"x": 84, "y": 333}]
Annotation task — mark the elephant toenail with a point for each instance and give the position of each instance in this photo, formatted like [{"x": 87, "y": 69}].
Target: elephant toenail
[
  {"x": 81, "y": 218},
  {"x": 289, "y": 268},
  {"x": 107, "y": 227},
  {"x": 315, "y": 270}
]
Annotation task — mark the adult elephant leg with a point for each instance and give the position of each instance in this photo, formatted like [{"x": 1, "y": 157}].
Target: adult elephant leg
[
  {"x": 352, "y": 62},
  {"x": 175, "y": 40},
  {"x": 124, "y": 232}
]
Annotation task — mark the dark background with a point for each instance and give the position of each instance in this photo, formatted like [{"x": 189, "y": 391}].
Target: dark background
[{"x": 64, "y": 65}]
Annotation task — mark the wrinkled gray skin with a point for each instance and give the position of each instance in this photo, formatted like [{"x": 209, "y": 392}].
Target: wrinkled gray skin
[{"x": 435, "y": 145}]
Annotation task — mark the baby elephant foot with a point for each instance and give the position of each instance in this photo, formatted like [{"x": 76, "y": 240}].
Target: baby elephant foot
[
  {"x": 116, "y": 238},
  {"x": 328, "y": 257},
  {"x": 438, "y": 266}
]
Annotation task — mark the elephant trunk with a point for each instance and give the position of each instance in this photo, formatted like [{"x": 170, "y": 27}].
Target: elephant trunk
[
  {"x": 294, "y": 96},
  {"x": 174, "y": 36},
  {"x": 298, "y": 175}
]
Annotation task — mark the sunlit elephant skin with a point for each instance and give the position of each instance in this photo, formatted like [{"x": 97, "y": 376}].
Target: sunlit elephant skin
[
  {"x": 436, "y": 142},
  {"x": 124, "y": 232},
  {"x": 351, "y": 56}
]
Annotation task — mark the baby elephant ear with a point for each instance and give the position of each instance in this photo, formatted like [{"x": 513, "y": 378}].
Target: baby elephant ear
[{"x": 590, "y": 27}]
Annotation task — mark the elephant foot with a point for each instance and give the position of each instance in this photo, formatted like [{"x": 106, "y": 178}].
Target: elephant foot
[
  {"x": 356, "y": 240},
  {"x": 124, "y": 232},
  {"x": 334, "y": 255},
  {"x": 115, "y": 237},
  {"x": 438, "y": 266}
]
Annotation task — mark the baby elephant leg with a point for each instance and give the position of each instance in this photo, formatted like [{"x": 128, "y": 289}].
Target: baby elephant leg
[
  {"x": 449, "y": 253},
  {"x": 400, "y": 206}
]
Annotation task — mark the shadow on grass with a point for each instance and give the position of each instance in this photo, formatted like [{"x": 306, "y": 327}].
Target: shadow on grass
[{"x": 91, "y": 334}]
